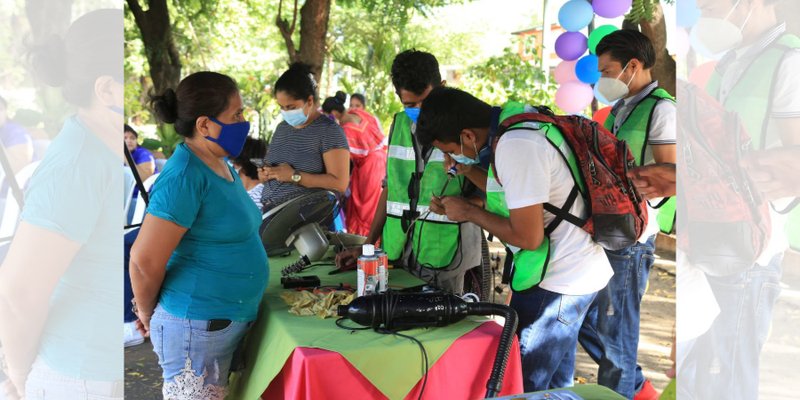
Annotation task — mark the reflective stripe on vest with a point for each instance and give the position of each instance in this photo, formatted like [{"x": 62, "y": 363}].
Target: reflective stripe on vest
[
  {"x": 750, "y": 99},
  {"x": 434, "y": 238},
  {"x": 635, "y": 131}
]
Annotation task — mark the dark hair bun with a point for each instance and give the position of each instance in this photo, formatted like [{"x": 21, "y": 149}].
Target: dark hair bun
[
  {"x": 49, "y": 61},
  {"x": 166, "y": 106},
  {"x": 341, "y": 96}
]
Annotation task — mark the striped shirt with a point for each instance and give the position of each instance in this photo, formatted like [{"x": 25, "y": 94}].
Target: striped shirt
[{"x": 302, "y": 149}]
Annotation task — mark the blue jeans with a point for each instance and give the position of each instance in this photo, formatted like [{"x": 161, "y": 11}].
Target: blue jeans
[
  {"x": 193, "y": 359},
  {"x": 548, "y": 336},
  {"x": 723, "y": 363},
  {"x": 610, "y": 332}
]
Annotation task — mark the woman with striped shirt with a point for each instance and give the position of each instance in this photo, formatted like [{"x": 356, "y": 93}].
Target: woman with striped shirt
[{"x": 308, "y": 150}]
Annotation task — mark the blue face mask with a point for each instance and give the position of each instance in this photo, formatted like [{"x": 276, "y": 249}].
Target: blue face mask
[
  {"x": 294, "y": 117},
  {"x": 231, "y": 137},
  {"x": 413, "y": 113},
  {"x": 463, "y": 159}
]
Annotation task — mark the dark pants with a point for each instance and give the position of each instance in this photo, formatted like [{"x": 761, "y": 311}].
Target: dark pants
[
  {"x": 548, "y": 336},
  {"x": 129, "y": 239},
  {"x": 610, "y": 332}
]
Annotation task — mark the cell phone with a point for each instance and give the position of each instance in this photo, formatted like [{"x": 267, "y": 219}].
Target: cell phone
[
  {"x": 258, "y": 162},
  {"x": 217, "y": 324}
]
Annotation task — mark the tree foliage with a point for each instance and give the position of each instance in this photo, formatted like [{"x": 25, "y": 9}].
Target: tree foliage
[
  {"x": 508, "y": 77},
  {"x": 243, "y": 39}
]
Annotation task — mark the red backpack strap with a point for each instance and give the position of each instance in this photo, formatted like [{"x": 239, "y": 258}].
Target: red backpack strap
[{"x": 560, "y": 213}]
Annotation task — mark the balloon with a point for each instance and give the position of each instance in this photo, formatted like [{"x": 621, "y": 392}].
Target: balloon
[
  {"x": 573, "y": 97},
  {"x": 599, "y": 33},
  {"x": 586, "y": 69},
  {"x": 611, "y": 8},
  {"x": 565, "y": 72},
  {"x": 680, "y": 42},
  {"x": 601, "y": 115},
  {"x": 702, "y": 73},
  {"x": 686, "y": 13},
  {"x": 570, "y": 45},
  {"x": 574, "y": 15}
]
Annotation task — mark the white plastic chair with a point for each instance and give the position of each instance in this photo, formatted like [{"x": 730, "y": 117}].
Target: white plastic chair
[
  {"x": 139, "y": 210},
  {"x": 130, "y": 183}
]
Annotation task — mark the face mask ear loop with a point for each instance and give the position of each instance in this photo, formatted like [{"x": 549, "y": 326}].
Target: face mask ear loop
[
  {"x": 631, "y": 80},
  {"x": 732, "y": 9},
  {"x": 623, "y": 69},
  {"x": 745, "y": 20}
]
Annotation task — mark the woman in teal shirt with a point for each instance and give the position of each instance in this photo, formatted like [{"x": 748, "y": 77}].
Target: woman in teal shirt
[{"x": 198, "y": 268}]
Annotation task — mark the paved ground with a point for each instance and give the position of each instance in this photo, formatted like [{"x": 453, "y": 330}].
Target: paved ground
[{"x": 780, "y": 376}]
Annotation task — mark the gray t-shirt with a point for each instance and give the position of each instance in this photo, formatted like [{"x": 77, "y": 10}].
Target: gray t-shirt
[{"x": 302, "y": 149}]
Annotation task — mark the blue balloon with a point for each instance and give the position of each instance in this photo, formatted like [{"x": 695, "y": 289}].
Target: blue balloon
[
  {"x": 686, "y": 13},
  {"x": 575, "y": 15},
  {"x": 586, "y": 69}
]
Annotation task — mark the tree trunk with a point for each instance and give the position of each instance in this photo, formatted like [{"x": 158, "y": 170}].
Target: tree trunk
[
  {"x": 163, "y": 57},
  {"x": 656, "y": 31},
  {"x": 314, "y": 16}
]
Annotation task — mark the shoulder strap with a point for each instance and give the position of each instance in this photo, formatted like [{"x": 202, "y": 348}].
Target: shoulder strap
[
  {"x": 562, "y": 213},
  {"x": 16, "y": 191},
  {"x": 139, "y": 184}
]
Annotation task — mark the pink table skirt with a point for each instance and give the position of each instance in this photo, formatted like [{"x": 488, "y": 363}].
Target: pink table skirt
[{"x": 460, "y": 373}]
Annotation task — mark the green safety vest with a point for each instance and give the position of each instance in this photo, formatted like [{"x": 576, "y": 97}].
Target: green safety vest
[
  {"x": 750, "y": 99},
  {"x": 530, "y": 266},
  {"x": 635, "y": 131},
  {"x": 434, "y": 238}
]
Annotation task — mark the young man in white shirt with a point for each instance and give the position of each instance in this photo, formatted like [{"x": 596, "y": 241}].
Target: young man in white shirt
[
  {"x": 644, "y": 117},
  {"x": 551, "y": 298}
]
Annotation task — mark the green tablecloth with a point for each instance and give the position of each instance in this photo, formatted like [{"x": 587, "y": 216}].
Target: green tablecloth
[{"x": 277, "y": 333}]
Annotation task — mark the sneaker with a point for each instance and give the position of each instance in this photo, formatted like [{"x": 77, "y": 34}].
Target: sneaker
[
  {"x": 132, "y": 336},
  {"x": 648, "y": 392}
]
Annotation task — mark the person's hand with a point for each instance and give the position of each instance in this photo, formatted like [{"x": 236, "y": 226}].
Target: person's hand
[
  {"x": 280, "y": 173},
  {"x": 143, "y": 323},
  {"x": 347, "y": 259},
  {"x": 436, "y": 205},
  {"x": 461, "y": 169},
  {"x": 773, "y": 172},
  {"x": 263, "y": 174},
  {"x": 655, "y": 180},
  {"x": 457, "y": 209}
]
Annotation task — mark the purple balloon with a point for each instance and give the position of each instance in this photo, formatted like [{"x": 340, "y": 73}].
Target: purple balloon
[
  {"x": 611, "y": 8},
  {"x": 571, "y": 45}
]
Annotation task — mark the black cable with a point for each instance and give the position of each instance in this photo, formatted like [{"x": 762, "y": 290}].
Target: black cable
[
  {"x": 422, "y": 350},
  {"x": 349, "y": 328}
]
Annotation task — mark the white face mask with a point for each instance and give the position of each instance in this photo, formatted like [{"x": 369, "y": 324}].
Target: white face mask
[
  {"x": 613, "y": 89},
  {"x": 712, "y": 36}
]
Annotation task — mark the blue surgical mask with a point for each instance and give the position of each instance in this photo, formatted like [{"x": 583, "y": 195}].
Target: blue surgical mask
[
  {"x": 294, "y": 117},
  {"x": 463, "y": 159},
  {"x": 231, "y": 137},
  {"x": 413, "y": 113}
]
